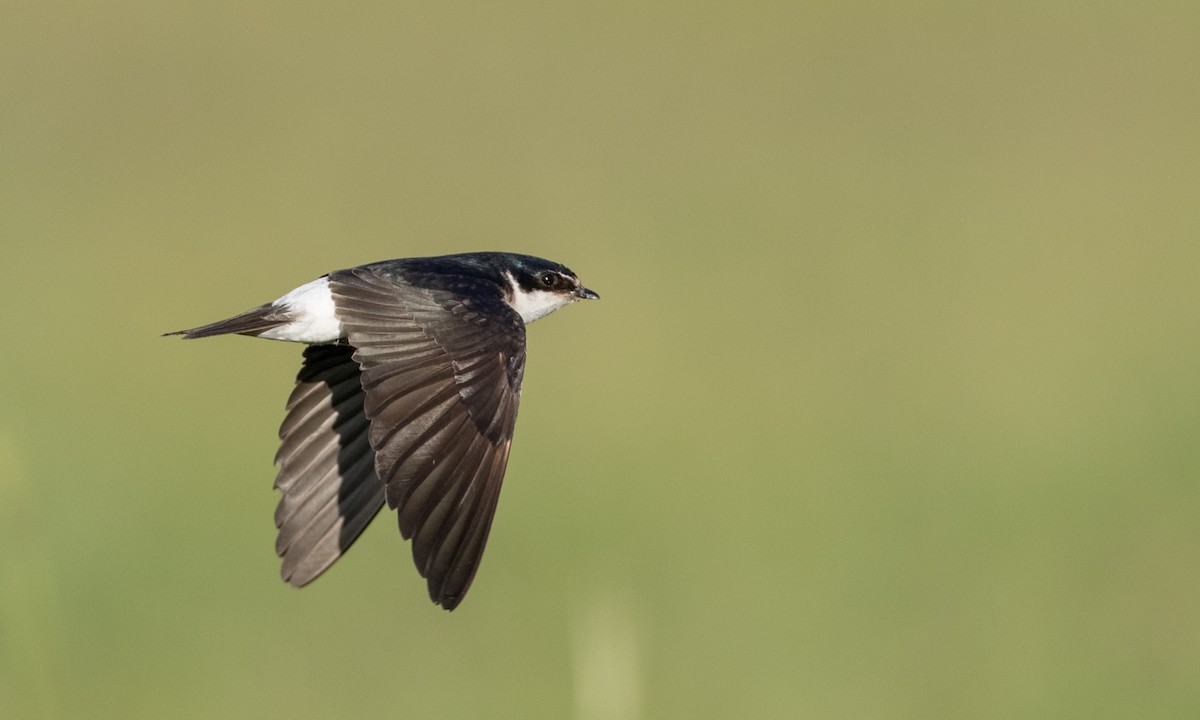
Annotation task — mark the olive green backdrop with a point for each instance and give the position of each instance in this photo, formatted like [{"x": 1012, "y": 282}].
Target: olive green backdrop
[{"x": 890, "y": 408}]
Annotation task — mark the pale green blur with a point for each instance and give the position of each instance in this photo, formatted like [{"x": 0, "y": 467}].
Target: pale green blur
[{"x": 889, "y": 410}]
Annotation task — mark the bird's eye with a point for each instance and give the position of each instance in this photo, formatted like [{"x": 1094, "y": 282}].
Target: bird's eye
[{"x": 546, "y": 278}]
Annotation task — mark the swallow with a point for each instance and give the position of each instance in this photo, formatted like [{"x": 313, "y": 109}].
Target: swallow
[{"x": 408, "y": 396}]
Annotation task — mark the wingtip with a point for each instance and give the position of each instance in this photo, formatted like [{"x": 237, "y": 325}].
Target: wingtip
[{"x": 295, "y": 579}]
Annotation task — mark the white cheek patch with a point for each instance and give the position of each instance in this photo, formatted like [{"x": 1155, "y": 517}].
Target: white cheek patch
[
  {"x": 534, "y": 304},
  {"x": 313, "y": 317}
]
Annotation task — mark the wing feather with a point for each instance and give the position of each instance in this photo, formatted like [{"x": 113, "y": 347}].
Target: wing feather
[
  {"x": 441, "y": 375},
  {"x": 326, "y": 466}
]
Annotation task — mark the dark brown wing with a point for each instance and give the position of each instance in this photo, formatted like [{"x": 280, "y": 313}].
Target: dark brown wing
[
  {"x": 442, "y": 377},
  {"x": 326, "y": 466}
]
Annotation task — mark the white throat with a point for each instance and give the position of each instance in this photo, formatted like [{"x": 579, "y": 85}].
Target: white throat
[{"x": 534, "y": 304}]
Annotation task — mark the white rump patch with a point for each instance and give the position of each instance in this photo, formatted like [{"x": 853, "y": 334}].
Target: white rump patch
[
  {"x": 534, "y": 304},
  {"x": 314, "y": 319}
]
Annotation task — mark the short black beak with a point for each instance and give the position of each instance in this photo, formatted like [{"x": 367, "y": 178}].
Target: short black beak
[{"x": 585, "y": 294}]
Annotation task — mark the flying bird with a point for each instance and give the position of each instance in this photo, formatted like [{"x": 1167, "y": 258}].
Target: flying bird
[{"x": 407, "y": 395}]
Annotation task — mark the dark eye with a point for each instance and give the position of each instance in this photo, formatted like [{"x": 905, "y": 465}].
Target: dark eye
[{"x": 547, "y": 279}]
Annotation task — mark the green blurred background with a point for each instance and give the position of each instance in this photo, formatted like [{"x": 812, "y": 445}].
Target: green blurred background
[{"x": 890, "y": 408}]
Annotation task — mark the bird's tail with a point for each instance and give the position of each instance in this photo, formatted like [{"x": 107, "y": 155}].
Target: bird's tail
[{"x": 251, "y": 322}]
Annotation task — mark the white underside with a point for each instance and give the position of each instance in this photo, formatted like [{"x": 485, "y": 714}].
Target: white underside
[
  {"x": 534, "y": 304},
  {"x": 315, "y": 319}
]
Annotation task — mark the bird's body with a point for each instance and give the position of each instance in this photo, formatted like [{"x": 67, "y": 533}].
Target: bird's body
[{"x": 408, "y": 395}]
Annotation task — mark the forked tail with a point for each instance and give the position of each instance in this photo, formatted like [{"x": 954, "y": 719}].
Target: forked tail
[{"x": 251, "y": 322}]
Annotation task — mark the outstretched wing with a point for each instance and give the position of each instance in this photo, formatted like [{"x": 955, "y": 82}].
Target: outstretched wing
[
  {"x": 326, "y": 466},
  {"x": 442, "y": 373}
]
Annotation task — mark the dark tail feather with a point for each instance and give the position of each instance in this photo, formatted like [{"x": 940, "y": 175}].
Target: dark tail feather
[{"x": 251, "y": 322}]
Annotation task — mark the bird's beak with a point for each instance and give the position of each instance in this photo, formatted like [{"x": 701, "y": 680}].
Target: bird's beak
[{"x": 584, "y": 294}]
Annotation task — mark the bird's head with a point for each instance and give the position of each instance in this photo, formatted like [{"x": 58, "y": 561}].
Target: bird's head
[{"x": 539, "y": 287}]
